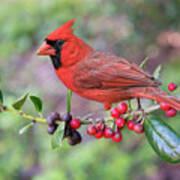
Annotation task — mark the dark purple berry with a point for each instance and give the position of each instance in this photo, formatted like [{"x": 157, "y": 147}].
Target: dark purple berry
[
  {"x": 51, "y": 129},
  {"x": 68, "y": 130},
  {"x": 55, "y": 116},
  {"x": 50, "y": 121},
  {"x": 75, "y": 138},
  {"x": 71, "y": 141},
  {"x": 67, "y": 117}
]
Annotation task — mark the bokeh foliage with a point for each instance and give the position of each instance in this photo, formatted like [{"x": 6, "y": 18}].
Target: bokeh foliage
[{"x": 129, "y": 29}]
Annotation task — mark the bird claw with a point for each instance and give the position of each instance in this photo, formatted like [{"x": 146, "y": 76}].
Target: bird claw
[
  {"x": 142, "y": 114},
  {"x": 139, "y": 104}
]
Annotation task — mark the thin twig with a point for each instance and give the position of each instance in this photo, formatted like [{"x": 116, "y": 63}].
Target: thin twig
[{"x": 22, "y": 114}]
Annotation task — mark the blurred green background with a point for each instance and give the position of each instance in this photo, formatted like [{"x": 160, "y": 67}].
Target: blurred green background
[{"x": 132, "y": 29}]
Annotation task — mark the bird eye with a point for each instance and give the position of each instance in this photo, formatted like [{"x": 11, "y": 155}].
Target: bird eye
[{"x": 59, "y": 42}]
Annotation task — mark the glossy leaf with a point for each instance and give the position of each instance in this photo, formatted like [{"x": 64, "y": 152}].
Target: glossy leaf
[
  {"x": 69, "y": 95},
  {"x": 37, "y": 103},
  {"x": 144, "y": 63},
  {"x": 26, "y": 128},
  {"x": 20, "y": 102},
  {"x": 157, "y": 72},
  {"x": 1, "y": 97},
  {"x": 163, "y": 139},
  {"x": 57, "y": 138}
]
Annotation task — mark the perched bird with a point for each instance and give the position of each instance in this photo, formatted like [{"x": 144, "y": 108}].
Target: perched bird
[{"x": 99, "y": 76}]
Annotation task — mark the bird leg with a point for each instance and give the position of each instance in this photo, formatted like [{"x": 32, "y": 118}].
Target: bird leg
[
  {"x": 139, "y": 104},
  {"x": 141, "y": 117}
]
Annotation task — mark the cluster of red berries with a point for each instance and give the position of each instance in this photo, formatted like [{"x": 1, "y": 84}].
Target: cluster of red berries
[
  {"x": 100, "y": 130},
  {"x": 170, "y": 112},
  {"x": 120, "y": 122}
]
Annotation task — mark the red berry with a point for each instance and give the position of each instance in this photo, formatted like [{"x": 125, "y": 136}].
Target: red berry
[
  {"x": 100, "y": 126},
  {"x": 130, "y": 125},
  {"x": 122, "y": 107},
  {"x": 99, "y": 134},
  {"x": 171, "y": 112},
  {"x": 91, "y": 130},
  {"x": 138, "y": 128},
  {"x": 120, "y": 122},
  {"x": 108, "y": 133},
  {"x": 164, "y": 106},
  {"x": 75, "y": 123},
  {"x": 117, "y": 137},
  {"x": 172, "y": 86},
  {"x": 115, "y": 113}
]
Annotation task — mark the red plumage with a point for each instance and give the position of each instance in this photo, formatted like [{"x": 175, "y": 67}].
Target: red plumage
[{"x": 99, "y": 76}]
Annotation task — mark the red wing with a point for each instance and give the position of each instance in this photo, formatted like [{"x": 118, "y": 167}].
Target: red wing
[{"x": 105, "y": 71}]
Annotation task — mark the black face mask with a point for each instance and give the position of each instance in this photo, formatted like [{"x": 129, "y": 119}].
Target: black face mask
[{"x": 57, "y": 45}]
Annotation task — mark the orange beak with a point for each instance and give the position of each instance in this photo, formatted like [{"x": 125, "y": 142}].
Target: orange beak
[{"x": 46, "y": 50}]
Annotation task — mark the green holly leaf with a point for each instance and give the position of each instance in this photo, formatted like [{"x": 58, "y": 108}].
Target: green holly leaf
[
  {"x": 144, "y": 63},
  {"x": 20, "y": 102},
  {"x": 58, "y": 136},
  {"x": 26, "y": 128},
  {"x": 163, "y": 139},
  {"x": 157, "y": 72},
  {"x": 1, "y": 97},
  {"x": 37, "y": 103}
]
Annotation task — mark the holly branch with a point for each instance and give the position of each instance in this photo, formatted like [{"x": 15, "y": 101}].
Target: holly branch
[{"x": 163, "y": 139}]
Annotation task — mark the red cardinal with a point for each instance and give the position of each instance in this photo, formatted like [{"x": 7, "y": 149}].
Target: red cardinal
[{"x": 96, "y": 75}]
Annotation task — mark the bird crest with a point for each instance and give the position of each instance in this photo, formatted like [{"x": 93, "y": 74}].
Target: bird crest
[{"x": 62, "y": 30}]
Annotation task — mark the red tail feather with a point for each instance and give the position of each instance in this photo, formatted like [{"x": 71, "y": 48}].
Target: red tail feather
[{"x": 158, "y": 95}]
